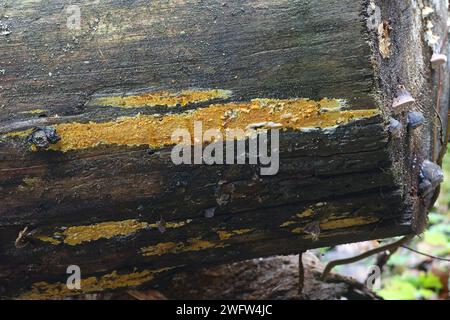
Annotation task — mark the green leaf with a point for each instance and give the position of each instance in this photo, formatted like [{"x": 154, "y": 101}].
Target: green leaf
[
  {"x": 435, "y": 238},
  {"x": 443, "y": 227},
  {"x": 427, "y": 294},
  {"x": 324, "y": 250},
  {"x": 398, "y": 289},
  {"x": 435, "y": 218},
  {"x": 429, "y": 281},
  {"x": 411, "y": 287},
  {"x": 412, "y": 278}
]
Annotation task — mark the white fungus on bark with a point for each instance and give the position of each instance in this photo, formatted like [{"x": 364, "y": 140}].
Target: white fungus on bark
[
  {"x": 438, "y": 59},
  {"x": 403, "y": 98}
]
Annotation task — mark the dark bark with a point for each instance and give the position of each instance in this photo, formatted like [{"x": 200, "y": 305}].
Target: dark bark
[
  {"x": 271, "y": 278},
  {"x": 107, "y": 196}
]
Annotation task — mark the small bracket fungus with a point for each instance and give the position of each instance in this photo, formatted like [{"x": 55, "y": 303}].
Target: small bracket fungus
[
  {"x": 395, "y": 127},
  {"x": 415, "y": 119},
  {"x": 437, "y": 60},
  {"x": 433, "y": 172},
  {"x": 403, "y": 98},
  {"x": 425, "y": 187},
  {"x": 431, "y": 176},
  {"x": 42, "y": 137}
]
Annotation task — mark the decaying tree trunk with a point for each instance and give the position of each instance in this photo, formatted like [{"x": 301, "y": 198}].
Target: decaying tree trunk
[
  {"x": 87, "y": 114},
  {"x": 268, "y": 279},
  {"x": 273, "y": 278}
]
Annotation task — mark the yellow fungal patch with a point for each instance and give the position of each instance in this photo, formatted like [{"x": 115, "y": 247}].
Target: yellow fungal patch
[
  {"x": 198, "y": 244},
  {"x": 194, "y": 244},
  {"x": 348, "y": 222},
  {"x": 48, "y": 239},
  {"x": 34, "y": 111},
  {"x": 172, "y": 225},
  {"x": 32, "y": 181},
  {"x": 342, "y": 223},
  {"x": 162, "y": 248},
  {"x": 156, "y": 131},
  {"x": 105, "y": 230},
  {"x": 305, "y": 214},
  {"x": 19, "y": 134},
  {"x": 79, "y": 234},
  {"x": 162, "y": 98},
  {"x": 225, "y": 235},
  {"x": 297, "y": 230},
  {"x": 287, "y": 224},
  {"x": 44, "y": 290}
]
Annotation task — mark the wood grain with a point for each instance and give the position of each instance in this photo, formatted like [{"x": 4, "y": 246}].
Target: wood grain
[{"x": 108, "y": 197}]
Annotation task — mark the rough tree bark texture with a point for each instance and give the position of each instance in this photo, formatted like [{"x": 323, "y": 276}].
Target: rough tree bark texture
[
  {"x": 269, "y": 278},
  {"x": 107, "y": 196}
]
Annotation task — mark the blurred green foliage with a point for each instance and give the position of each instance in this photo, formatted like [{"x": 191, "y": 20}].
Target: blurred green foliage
[
  {"x": 411, "y": 287},
  {"x": 409, "y": 276}
]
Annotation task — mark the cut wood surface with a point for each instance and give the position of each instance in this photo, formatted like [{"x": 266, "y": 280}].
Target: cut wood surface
[{"x": 87, "y": 115}]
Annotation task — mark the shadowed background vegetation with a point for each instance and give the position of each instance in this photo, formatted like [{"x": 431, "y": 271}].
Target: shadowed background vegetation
[{"x": 408, "y": 275}]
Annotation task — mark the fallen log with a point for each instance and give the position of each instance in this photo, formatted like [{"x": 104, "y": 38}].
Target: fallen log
[
  {"x": 357, "y": 91},
  {"x": 274, "y": 278}
]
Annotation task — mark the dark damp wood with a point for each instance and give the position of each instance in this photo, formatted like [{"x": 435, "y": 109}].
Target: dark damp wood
[
  {"x": 274, "y": 278},
  {"x": 356, "y": 176},
  {"x": 256, "y": 49},
  {"x": 341, "y": 179},
  {"x": 132, "y": 175}
]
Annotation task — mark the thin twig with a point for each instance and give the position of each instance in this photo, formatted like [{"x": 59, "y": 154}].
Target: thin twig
[
  {"x": 384, "y": 257},
  {"x": 425, "y": 254},
  {"x": 438, "y": 108},
  {"x": 390, "y": 246},
  {"x": 301, "y": 274}
]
